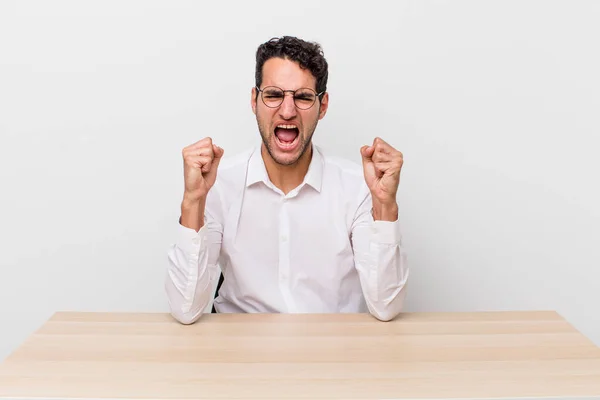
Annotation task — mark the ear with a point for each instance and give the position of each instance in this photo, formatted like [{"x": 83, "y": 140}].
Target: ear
[
  {"x": 253, "y": 100},
  {"x": 324, "y": 105}
]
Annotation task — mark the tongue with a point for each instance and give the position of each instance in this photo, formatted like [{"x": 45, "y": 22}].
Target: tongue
[{"x": 286, "y": 135}]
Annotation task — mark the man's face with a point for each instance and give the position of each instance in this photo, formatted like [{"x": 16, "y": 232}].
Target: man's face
[{"x": 287, "y": 130}]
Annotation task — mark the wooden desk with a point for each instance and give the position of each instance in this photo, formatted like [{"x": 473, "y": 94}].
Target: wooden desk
[{"x": 266, "y": 356}]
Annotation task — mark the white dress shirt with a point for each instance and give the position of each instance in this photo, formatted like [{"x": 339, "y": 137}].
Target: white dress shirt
[{"x": 315, "y": 250}]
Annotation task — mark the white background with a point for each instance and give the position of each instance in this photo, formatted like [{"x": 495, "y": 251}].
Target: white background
[{"x": 495, "y": 105}]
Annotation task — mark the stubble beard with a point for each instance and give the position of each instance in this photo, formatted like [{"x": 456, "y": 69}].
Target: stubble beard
[{"x": 304, "y": 144}]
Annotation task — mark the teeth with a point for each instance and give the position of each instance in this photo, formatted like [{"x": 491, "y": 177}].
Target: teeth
[{"x": 287, "y": 126}]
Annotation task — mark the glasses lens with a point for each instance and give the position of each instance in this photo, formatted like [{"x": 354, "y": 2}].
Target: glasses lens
[
  {"x": 305, "y": 98},
  {"x": 272, "y": 96}
]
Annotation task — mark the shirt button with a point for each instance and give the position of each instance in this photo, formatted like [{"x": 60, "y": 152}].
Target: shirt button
[
  {"x": 196, "y": 240},
  {"x": 284, "y": 238}
]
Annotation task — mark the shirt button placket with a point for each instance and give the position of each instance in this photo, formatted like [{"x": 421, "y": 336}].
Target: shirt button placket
[{"x": 284, "y": 255}]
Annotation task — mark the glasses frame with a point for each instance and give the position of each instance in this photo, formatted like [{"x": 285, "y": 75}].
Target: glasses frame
[{"x": 293, "y": 92}]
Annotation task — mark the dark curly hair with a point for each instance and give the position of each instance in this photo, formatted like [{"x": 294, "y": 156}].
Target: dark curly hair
[{"x": 308, "y": 54}]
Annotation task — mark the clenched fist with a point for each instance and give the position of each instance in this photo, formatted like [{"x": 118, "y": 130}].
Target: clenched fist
[
  {"x": 200, "y": 163},
  {"x": 382, "y": 165}
]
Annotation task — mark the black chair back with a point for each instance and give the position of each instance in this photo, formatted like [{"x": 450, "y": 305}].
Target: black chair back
[{"x": 217, "y": 292}]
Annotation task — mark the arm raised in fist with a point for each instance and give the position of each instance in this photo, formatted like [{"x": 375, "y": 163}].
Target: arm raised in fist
[
  {"x": 382, "y": 165},
  {"x": 200, "y": 164}
]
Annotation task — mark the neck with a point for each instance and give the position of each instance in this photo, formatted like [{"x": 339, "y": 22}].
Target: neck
[{"x": 287, "y": 177}]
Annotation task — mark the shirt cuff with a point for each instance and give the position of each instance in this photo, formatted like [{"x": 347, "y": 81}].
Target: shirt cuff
[
  {"x": 386, "y": 232},
  {"x": 189, "y": 240}
]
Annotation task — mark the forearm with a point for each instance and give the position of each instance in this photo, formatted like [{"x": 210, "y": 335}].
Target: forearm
[
  {"x": 385, "y": 212},
  {"x": 192, "y": 266},
  {"x": 391, "y": 272},
  {"x": 188, "y": 285},
  {"x": 192, "y": 212},
  {"x": 386, "y": 283},
  {"x": 380, "y": 259}
]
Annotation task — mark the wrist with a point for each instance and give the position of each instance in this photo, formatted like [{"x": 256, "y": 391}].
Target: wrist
[
  {"x": 385, "y": 211},
  {"x": 192, "y": 212},
  {"x": 191, "y": 200}
]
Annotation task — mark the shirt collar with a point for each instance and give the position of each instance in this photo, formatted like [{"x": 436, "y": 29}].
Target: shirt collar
[
  {"x": 257, "y": 172},
  {"x": 256, "y": 168}
]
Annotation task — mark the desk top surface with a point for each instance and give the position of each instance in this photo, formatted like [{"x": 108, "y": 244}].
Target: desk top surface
[{"x": 264, "y": 356}]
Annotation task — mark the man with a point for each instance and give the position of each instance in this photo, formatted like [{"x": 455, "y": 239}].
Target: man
[{"x": 292, "y": 228}]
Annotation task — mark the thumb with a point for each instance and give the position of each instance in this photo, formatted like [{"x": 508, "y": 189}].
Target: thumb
[
  {"x": 368, "y": 167},
  {"x": 212, "y": 174},
  {"x": 218, "y": 154},
  {"x": 367, "y": 152}
]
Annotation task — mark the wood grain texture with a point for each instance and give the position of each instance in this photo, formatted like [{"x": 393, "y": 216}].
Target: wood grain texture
[{"x": 304, "y": 356}]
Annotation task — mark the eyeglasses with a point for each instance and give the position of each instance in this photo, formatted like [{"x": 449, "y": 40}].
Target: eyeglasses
[{"x": 304, "y": 98}]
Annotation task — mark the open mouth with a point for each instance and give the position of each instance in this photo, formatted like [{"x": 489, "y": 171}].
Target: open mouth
[{"x": 287, "y": 135}]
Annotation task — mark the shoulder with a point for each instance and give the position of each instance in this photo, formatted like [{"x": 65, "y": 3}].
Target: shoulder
[
  {"x": 235, "y": 164},
  {"x": 231, "y": 175},
  {"x": 341, "y": 167},
  {"x": 343, "y": 174}
]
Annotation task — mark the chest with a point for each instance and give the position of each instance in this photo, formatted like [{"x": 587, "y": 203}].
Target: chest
[{"x": 307, "y": 227}]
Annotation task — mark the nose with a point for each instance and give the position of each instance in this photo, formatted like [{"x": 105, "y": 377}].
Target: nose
[{"x": 287, "y": 109}]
